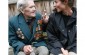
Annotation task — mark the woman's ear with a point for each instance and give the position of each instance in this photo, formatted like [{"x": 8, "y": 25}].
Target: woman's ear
[{"x": 65, "y": 1}]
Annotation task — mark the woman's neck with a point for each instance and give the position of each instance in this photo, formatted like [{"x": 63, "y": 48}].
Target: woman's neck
[{"x": 67, "y": 11}]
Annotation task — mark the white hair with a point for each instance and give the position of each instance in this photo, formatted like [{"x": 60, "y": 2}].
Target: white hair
[{"x": 21, "y": 4}]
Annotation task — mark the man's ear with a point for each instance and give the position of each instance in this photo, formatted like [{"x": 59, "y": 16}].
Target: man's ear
[{"x": 21, "y": 10}]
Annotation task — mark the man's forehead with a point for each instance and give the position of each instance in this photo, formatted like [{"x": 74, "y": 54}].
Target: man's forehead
[{"x": 30, "y": 1}]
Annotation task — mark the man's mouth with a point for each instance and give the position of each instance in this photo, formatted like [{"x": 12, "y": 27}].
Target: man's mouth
[{"x": 33, "y": 12}]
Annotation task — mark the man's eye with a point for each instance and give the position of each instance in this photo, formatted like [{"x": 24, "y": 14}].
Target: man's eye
[{"x": 31, "y": 6}]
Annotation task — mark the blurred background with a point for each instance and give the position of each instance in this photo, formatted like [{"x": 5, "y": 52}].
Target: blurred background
[{"x": 40, "y": 4}]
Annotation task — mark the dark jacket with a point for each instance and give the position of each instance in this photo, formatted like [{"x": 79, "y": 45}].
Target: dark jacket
[
  {"x": 17, "y": 24},
  {"x": 61, "y": 34}
]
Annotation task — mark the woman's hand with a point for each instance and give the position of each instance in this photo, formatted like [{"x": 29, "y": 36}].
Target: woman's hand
[{"x": 65, "y": 52}]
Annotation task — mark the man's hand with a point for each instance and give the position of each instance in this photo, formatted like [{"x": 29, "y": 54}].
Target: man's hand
[
  {"x": 45, "y": 17},
  {"x": 65, "y": 52},
  {"x": 27, "y": 49}
]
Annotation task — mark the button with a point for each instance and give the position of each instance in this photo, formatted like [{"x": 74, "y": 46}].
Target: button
[
  {"x": 17, "y": 32},
  {"x": 62, "y": 30},
  {"x": 19, "y": 35},
  {"x": 18, "y": 29},
  {"x": 76, "y": 25},
  {"x": 22, "y": 34},
  {"x": 69, "y": 31},
  {"x": 22, "y": 37}
]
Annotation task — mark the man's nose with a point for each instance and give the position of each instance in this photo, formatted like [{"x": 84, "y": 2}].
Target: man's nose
[{"x": 34, "y": 8}]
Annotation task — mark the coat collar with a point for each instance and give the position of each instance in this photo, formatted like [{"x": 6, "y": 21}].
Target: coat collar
[
  {"x": 72, "y": 18},
  {"x": 60, "y": 24},
  {"x": 24, "y": 27}
]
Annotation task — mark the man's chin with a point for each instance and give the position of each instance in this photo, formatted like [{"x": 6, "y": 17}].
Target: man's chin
[{"x": 32, "y": 15}]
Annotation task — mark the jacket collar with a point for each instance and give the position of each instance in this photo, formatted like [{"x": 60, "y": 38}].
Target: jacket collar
[
  {"x": 73, "y": 17},
  {"x": 60, "y": 21},
  {"x": 24, "y": 27}
]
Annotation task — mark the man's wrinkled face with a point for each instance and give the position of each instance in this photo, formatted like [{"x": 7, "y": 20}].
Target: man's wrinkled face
[
  {"x": 30, "y": 9},
  {"x": 58, "y": 5}
]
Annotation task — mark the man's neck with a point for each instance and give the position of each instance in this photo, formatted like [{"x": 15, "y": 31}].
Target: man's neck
[{"x": 27, "y": 18}]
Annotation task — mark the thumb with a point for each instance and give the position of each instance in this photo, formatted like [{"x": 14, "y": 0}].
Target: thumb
[{"x": 62, "y": 49}]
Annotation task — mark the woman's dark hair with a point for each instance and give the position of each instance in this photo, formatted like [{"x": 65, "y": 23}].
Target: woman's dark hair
[{"x": 70, "y": 2}]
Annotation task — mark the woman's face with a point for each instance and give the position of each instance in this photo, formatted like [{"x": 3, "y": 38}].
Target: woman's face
[{"x": 59, "y": 6}]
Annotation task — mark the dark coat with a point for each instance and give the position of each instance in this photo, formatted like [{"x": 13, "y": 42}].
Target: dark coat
[
  {"x": 18, "y": 23},
  {"x": 61, "y": 34}
]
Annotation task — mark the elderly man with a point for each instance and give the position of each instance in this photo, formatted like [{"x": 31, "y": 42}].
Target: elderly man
[
  {"x": 61, "y": 28},
  {"x": 22, "y": 29}
]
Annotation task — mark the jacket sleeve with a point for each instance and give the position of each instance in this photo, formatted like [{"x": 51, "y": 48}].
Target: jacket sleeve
[
  {"x": 53, "y": 43},
  {"x": 13, "y": 40}
]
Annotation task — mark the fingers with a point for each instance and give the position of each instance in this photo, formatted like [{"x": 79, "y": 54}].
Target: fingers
[
  {"x": 30, "y": 48},
  {"x": 62, "y": 49},
  {"x": 45, "y": 17},
  {"x": 65, "y": 52},
  {"x": 44, "y": 14},
  {"x": 27, "y": 49}
]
